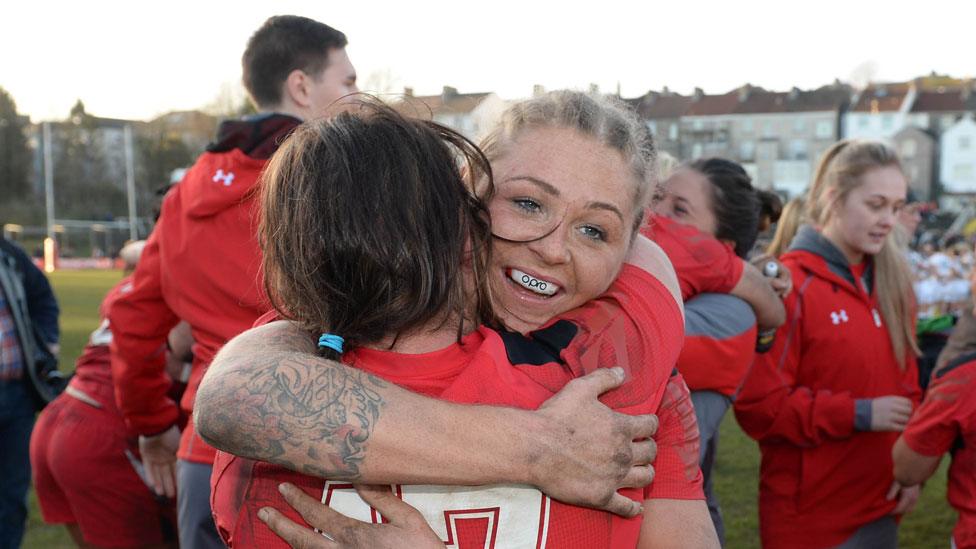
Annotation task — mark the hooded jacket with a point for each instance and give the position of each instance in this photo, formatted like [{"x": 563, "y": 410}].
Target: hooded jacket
[
  {"x": 201, "y": 264},
  {"x": 807, "y": 403}
]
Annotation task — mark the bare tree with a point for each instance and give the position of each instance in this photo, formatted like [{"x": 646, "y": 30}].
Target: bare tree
[{"x": 864, "y": 74}]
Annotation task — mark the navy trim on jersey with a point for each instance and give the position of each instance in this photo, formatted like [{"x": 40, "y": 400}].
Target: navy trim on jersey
[
  {"x": 541, "y": 346},
  {"x": 960, "y": 360}
]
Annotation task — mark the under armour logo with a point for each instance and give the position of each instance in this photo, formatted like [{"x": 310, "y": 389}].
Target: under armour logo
[
  {"x": 838, "y": 317},
  {"x": 227, "y": 178}
]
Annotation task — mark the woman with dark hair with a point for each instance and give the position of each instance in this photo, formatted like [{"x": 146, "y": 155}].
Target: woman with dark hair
[
  {"x": 716, "y": 196},
  {"x": 372, "y": 239},
  {"x": 770, "y": 209}
]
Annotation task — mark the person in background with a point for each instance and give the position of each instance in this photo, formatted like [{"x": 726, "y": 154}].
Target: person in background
[
  {"x": 28, "y": 318},
  {"x": 87, "y": 471},
  {"x": 770, "y": 209},
  {"x": 945, "y": 422},
  {"x": 827, "y": 401},
  {"x": 715, "y": 196},
  {"x": 201, "y": 262},
  {"x": 786, "y": 227}
]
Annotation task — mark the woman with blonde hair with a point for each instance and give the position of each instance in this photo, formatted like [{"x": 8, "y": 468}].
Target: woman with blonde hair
[
  {"x": 826, "y": 404},
  {"x": 565, "y": 243},
  {"x": 787, "y": 227}
]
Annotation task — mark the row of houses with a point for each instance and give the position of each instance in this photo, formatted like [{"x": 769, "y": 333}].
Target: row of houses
[{"x": 779, "y": 136}]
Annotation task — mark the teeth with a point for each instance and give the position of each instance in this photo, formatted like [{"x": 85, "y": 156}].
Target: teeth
[{"x": 532, "y": 283}]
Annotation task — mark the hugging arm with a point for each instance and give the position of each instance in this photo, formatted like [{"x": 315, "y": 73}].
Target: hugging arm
[
  {"x": 756, "y": 290},
  {"x": 266, "y": 396}
]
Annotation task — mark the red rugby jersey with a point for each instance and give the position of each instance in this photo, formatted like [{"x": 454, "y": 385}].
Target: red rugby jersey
[
  {"x": 509, "y": 369},
  {"x": 93, "y": 370},
  {"x": 946, "y": 421}
]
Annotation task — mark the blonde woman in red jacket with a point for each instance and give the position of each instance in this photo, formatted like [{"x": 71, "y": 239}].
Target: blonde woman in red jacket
[{"x": 827, "y": 402}]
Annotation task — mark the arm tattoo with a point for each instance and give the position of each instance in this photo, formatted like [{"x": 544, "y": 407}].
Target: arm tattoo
[{"x": 293, "y": 409}]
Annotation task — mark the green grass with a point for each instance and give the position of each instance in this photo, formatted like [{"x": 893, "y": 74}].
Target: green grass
[
  {"x": 79, "y": 295},
  {"x": 736, "y": 482},
  {"x": 736, "y": 472}
]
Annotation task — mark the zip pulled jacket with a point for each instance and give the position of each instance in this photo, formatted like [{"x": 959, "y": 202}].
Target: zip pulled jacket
[
  {"x": 807, "y": 402},
  {"x": 201, "y": 264}
]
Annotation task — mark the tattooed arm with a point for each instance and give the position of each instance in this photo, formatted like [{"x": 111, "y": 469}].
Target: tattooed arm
[{"x": 266, "y": 396}]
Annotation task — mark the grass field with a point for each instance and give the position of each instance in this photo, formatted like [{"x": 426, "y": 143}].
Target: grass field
[{"x": 736, "y": 473}]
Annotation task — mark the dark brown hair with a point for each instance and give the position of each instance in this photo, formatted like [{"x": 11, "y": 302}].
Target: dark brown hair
[
  {"x": 367, "y": 226},
  {"x": 734, "y": 202},
  {"x": 282, "y": 44}
]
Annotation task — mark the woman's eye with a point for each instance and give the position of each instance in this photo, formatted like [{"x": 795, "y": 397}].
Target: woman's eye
[
  {"x": 594, "y": 233},
  {"x": 527, "y": 204}
]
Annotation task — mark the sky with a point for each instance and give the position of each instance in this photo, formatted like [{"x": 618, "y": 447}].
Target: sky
[{"x": 138, "y": 59}]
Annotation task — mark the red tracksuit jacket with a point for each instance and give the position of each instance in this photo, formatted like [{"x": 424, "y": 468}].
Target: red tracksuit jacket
[
  {"x": 201, "y": 264},
  {"x": 806, "y": 401},
  {"x": 720, "y": 343}
]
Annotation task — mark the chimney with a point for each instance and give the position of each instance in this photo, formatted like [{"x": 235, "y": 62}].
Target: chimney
[
  {"x": 967, "y": 90},
  {"x": 408, "y": 91},
  {"x": 594, "y": 89},
  {"x": 448, "y": 92},
  {"x": 794, "y": 93},
  {"x": 697, "y": 94},
  {"x": 665, "y": 91},
  {"x": 538, "y": 89}
]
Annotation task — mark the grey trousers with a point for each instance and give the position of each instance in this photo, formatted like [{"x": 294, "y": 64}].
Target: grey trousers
[
  {"x": 710, "y": 408},
  {"x": 880, "y": 534},
  {"x": 194, "y": 519}
]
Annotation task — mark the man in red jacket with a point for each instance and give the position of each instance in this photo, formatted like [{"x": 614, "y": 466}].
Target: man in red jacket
[{"x": 202, "y": 262}]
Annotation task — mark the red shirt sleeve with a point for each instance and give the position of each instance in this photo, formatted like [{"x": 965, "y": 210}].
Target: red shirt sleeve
[
  {"x": 140, "y": 321},
  {"x": 937, "y": 423},
  {"x": 677, "y": 474},
  {"x": 772, "y": 406},
  {"x": 702, "y": 263}
]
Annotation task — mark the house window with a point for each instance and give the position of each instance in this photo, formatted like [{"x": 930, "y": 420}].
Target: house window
[
  {"x": 769, "y": 129},
  {"x": 964, "y": 143},
  {"x": 825, "y": 129},
  {"x": 698, "y": 124},
  {"x": 799, "y": 125},
  {"x": 908, "y": 148},
  {"x": 747, "y": 150},
  {"x": 747, "y": 126},
  {"x": 798, "y": 149},
  {"x": 696, "y": 151},
  {"x": 963, "y": 172},
  {"x": 673, "y": 132}
]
